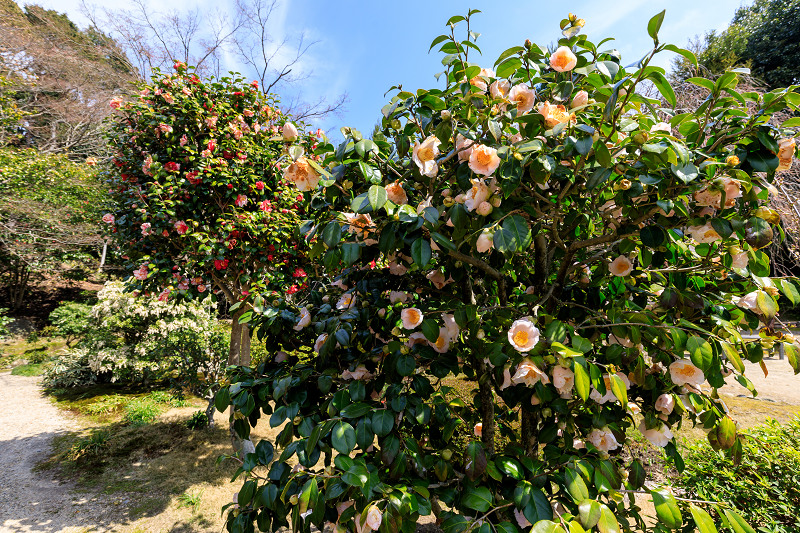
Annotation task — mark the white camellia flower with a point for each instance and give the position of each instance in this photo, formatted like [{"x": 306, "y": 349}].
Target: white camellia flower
[
  {"x": 290, "y": 132},
  {"x": 411, "y": 317},
  {"x": 683, "y": 372},
  {"x": 398, "y": 296},
  {"x": 442, "y": 343},
  {"x": 529, "y": 374},
  {"x": 621, "y": 266},
  {"x": 523, "y": 96},
  {"x": 609, "y": 396},
  {"x": 450, "y": 325},
  {"x": 464, "y": 147},
  {"x": 484, "y": 160},
  {"x": 523, "y": 335},
  {"x": 396, "y": 194},
  {"x": 305, "y": 319},
  {"x": 603, "y": 440},
  {"x": 660, "y": 436},
  {"x": 665, "y": 404}
]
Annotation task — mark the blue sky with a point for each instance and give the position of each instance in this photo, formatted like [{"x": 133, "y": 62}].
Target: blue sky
[{"x": 365, "y": 47}]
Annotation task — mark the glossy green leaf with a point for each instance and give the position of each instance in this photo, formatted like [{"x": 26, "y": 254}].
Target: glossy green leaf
[
  {"x": 608, "y": 522},
  {"x": 655, "y": 24},
  {"x": 421, "y": 252},
  {"x": 343, "y": 437},
  {"x": 703, "y": 521},
  {"x": 736, "y": 523},
  {"x": 583, "y": 384},
  {"x": 377, "y": 197},
  {"x": 667, "y": 508},
  {"x": 477, "y": 498}
]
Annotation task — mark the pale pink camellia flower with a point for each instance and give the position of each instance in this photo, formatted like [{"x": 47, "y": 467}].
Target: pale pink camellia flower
[
  {"x": 578, "y": 444},
  {"x": 437, "y": 278},
  {"x": 141, "y": 272},
  {"x": 740, "y": 260},
  {"x": 241, "y": 200},
  {"x": 290, "y": 132},
  {"x": 621, "y": 266},
  {"x": 500, "y": 89},
  {"x": 786, "y": 149},
  {"x": 485, "y": 242},
  {"x": 484, "y": 209},
  {"x": 398, "y": 296},
  {"x": 506, "y": 379},
  {"x": 397, "y": 269},
  {"x": 411, "y": 317},
  {"x": 749, "y": 301},
  {"x": 305, "y": 319},
  {"x": 660, "y": 436},
  {"x": 555, "y": 114},
  {"x": 146, "y": 165},
  {"x": 339, "y": 284},
  {"x": 665, "y": 404},
  {"x": 416, "y": 338},
  {"x": 346, "y": 301},
  {"x": 480, "y": 81},
  {"x": 563, "y": 381},
  {"x": 116, "y": 102},
  {"x": 661, "y": 127},
  {"x": 523, "y": 335},
  {"x": 168, "y": 98},
  {"x": 450, "y": 325},
  {"x": 424, "y": 155},
  {"x": 523, "y": 96},
  {"x": 609, "y": 396},
  {"x": 563, "y": 60},
  {"x": 603, "y": 440},
  {"x": 281, "y": 356},
  {"x": 374, "y": 518},
  {"x": 164, "y": 296},
  {"x": 184, "y": 140},
  {"x": 478, "y": 194},
  {"x": 108, "y": 218},
  {"x": 396, "y": 194},
  {"x": 181, "y": 227},
  {"x": 359, "y": 374},
  {"x": 683, "y": 372},
  {"x": 442, "y": 342},
  {"x": 580, "y": 99},
  {"x": 302, "y": 175},
  {"x": 319, "y": 342},
  {"x": 704, "y": 234},
  {"x": 478, "y": 429},
  {"x": 529, "y": 374},
  {"x": 165, "y": 128},
  {"x": 464, "y": 147}
]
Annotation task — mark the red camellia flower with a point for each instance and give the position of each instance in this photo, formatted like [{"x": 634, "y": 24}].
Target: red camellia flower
[
  {"x": 165, "y": 233},
  {"x": 220, "y": 264},
  {"x": 212, "y": 145},
  {"x": 172, "y": 166},
  {"x": 241, "y": 200},
  {"x": 181, "y": 227},
  {"x": 293, "y": 289},
  {"x": 254, "y": 84},
  {"x": 260, "y": 185},
  {"x": 299, "y": 273},
  {"x": 192, "y": 177},
  {"x": 226, "y": 154},
  {"x": 265, "y": 206}
]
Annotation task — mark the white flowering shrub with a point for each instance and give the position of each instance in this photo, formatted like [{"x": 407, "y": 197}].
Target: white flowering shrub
[
  {"x": 134, "y": 338},
  {"x": 582, "y": 255}
]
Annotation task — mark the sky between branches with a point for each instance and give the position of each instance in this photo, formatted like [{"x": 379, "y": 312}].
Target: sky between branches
[{"x": 365, "y": 47}]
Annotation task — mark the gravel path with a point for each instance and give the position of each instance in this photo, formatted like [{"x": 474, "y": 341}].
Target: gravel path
[{"x": 29, "y": 500}]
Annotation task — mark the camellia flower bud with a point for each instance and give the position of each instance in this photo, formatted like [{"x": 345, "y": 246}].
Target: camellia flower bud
[
  {"x": 732, "y": 161},
  {"x": 289, "y": 132},
  {"x": 496, "y": 201},
  {"x": 580, "y": 99}
]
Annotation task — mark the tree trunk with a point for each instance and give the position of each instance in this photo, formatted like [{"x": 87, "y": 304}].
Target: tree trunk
[
  {"x": 239, "y": 353},
  {"x": 210, "y": 409},
  {"x": 528, "y": 431},
  {"x": 486, "y": 395}
]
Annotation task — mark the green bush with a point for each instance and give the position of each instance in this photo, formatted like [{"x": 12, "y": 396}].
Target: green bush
[
  {"x": 71, "y": 320},
  {"x": 141, "y": 411},
  {"x": 4, "y": 322},
  {"x": 199, "y": 420},
  {"x": 764, "y": 486}
]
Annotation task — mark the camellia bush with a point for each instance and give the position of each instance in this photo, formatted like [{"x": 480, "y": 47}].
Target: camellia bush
[
  {"x": 525, "y": 267},
  {"x": 201, "y": 206}
]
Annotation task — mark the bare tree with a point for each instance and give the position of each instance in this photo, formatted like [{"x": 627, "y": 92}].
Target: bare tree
[{"x": 202, "y": 38}]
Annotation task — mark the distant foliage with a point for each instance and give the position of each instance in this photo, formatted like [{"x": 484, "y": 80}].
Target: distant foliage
[{"x": 71, "y": 320}]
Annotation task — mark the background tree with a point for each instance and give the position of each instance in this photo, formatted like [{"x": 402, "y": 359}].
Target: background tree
[
  {"x": 61, "y": 77},
  {"x": 49, "y": 219},
  {"x": 529, "y": 264}
]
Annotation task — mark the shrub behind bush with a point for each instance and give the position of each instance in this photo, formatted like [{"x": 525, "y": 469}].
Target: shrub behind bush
[{"x": 764, "y": 487}]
